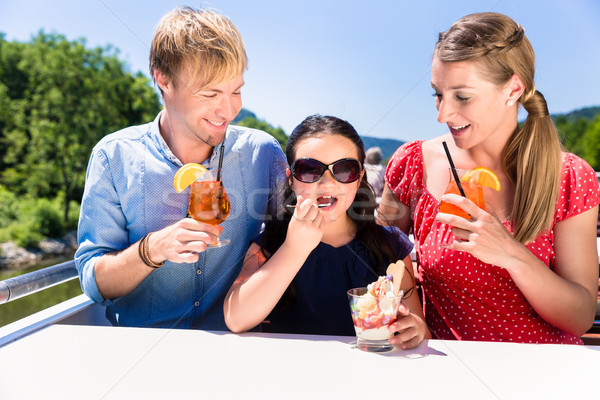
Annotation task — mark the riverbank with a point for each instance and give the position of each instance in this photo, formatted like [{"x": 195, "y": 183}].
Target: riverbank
[{"x": 13, "y": 257}]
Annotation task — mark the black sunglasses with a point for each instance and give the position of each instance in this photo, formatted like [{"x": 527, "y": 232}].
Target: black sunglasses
[{"x": 309, "y": 170}]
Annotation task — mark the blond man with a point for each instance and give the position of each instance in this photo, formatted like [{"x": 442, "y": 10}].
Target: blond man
[{"x": 197, "y": 60}]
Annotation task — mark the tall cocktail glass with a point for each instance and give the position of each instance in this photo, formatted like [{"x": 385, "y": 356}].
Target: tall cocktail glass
[{"x": 209, "y": 202}]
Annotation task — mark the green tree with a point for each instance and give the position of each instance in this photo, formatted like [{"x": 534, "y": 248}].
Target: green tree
[
  {"x": 62, "y": 98},
  {"x": 12, "y": 84},
  {"x": 571, "y": 132},
  {"x": 277, "y": 133},
  {"x": 591, "y": 144}
]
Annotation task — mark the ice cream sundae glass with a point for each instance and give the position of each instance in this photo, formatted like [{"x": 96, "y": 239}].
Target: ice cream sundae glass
[{"x": 375, "y": 307}]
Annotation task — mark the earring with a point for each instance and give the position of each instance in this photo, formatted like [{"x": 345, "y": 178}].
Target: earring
[{"x": 510, "y": 103}]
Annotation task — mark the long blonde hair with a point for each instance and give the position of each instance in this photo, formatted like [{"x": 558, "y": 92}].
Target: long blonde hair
[{"x": 532, "y": 156}]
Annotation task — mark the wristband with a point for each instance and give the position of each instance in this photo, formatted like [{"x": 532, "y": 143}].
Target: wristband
[{"x": 145, "y": 253}]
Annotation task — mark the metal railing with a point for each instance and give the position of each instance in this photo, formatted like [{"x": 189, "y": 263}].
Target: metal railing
[{"x": 32, "y": 282}]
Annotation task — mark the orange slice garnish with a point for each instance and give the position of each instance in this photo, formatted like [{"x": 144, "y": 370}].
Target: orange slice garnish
[
  {"x": 186, "y": 175},
  {"x": 483, "y": 177}
]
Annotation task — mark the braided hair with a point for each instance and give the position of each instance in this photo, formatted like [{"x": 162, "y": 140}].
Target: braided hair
[{"x": 532, "y": 156}]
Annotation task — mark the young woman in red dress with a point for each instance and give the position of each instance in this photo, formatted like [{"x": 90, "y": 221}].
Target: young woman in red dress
[{"x": 525, "y": 269}]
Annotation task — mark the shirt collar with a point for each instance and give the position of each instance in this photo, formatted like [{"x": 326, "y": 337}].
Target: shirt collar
[{"x": 211, "y": 162}]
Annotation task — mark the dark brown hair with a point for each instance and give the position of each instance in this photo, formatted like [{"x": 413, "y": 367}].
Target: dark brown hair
[{"x": 362, "y": 211}]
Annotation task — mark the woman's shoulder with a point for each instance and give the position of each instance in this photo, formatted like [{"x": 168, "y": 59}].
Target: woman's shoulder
[
  {"x": 417, "y": 151},
  {"x": 411, "y": 160},
  {"x": 408, "y": 149},
  {"x": 407, "y": 160},
  {"x": 576, "y": 171},
  {"x": 572, "y": 161},
  {"x": 579, "y": 189}
]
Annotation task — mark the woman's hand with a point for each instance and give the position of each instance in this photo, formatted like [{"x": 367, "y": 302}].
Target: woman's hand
[
  {"x": 483, "y": 236},
  {"x": 410, "y": 327},
  {"x": 306, "y": 226}
]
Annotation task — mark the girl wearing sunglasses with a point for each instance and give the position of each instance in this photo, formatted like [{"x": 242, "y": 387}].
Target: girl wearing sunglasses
[{"x": 320, "y": 241}]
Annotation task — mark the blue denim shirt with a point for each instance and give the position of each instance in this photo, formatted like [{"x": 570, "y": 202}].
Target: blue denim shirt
[{"x": 129, "y": 192}]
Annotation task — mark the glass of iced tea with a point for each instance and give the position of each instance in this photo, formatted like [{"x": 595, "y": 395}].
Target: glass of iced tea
[
  {"x": 209, "y": 202},
  {"x": 472, "y": 188}
]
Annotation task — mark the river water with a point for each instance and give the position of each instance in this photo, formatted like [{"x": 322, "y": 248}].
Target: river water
[{"x": 17, "y": 309}]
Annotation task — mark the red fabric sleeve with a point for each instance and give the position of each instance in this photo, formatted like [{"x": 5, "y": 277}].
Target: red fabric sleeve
[
  {"x": 405, "y": 171},
  {"x": 579, "y": 190}
]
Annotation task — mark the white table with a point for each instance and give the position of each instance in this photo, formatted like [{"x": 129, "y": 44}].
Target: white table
[{"x": 100, "y": 362}]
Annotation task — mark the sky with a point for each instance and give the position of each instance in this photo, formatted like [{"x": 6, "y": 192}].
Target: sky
[{"x": 368, "y": 62}]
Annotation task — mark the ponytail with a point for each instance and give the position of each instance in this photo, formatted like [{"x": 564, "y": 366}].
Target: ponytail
[{"x": 532, "y": 159}]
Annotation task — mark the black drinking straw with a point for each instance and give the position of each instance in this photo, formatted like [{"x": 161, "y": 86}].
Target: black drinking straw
[
  {"x": 220, "y": 163},
  {"x": 462, "y": 192}
]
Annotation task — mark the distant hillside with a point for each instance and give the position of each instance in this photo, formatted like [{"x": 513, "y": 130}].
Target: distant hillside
[
  {"x": 588, "y": 113},
  {"x": 387, "y": 146},
  {"x": 243, "y": 114}
]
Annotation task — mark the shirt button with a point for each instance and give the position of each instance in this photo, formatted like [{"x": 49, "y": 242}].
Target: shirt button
[
  {"x": 198, "y": 271},
  {"x": 197, "y": 303}
]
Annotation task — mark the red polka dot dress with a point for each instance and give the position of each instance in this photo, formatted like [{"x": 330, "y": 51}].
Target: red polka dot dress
[{"x": 467, "y": 299}]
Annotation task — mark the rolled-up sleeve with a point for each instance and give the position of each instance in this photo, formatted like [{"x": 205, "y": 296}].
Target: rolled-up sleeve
[{"x": 102, "y": 224}]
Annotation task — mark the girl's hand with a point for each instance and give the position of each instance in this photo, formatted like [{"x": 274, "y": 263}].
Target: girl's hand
[
  {"x": 306, "y": 226},
  {"x": 410, "y": 327},
  {"x": 483, "y": 236}
]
